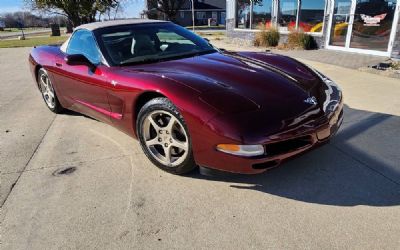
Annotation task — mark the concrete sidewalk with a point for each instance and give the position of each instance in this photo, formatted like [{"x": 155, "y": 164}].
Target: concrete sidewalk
[{"x": 70, "y": 182}]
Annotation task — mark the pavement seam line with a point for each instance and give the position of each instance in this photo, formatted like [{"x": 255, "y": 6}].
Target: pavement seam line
[
  {"x": 29, "y": 160},
  {"x": 366, "y": 165},
  {"x": 69, "y": 163}
]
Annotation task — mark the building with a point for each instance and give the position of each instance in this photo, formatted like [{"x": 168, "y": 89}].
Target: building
[
  {"x": 363, "y": 26},
  {"x": 204, "y": 9}
]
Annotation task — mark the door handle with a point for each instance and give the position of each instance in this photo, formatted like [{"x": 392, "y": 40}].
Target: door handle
[{"x": 58, "y": 64}]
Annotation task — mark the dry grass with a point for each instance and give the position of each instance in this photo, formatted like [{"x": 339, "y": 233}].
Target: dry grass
[{"x": 267, "y": 37}]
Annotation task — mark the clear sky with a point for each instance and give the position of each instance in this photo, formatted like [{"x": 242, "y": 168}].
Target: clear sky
[{"x": 132, "y": 8}]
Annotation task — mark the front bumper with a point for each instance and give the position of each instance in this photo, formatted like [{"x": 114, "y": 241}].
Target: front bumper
[{"x": 282, "y": 147}]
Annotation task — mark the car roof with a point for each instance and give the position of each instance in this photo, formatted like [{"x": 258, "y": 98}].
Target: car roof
[{"x": 103, "y": 24}]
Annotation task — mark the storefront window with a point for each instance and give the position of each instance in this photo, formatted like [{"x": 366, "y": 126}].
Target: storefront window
[
  {"x": 372, "y": 26},
  {"x": 312, "y": 15},
  {"x": 243, "y": 14},
  {"x": 287, "y": 14},
  {"x": 340, "y": 22},
  {"x": 262, "y": 12}
]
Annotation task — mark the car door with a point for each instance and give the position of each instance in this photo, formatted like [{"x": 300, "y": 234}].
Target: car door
[{"x": 85, "y": 88}]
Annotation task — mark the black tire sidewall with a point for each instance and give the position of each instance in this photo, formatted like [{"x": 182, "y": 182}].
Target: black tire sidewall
[
  {"x": 57, "y": 106},
  {"x": 164, "y": 104}
]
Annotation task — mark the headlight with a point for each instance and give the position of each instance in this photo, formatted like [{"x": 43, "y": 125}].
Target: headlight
[{"x": 241, "y": 150}]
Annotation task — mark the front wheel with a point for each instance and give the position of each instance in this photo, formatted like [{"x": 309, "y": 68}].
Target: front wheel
[
  {"x": 48, "y": 92},
  {"x": 164, "y": 136}
]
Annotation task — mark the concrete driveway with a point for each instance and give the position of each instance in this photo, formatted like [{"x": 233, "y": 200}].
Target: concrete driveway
[{"x": 70, "y": 182}]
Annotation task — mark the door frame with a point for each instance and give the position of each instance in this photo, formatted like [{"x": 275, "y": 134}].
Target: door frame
[{"x": 350, "y": 30}]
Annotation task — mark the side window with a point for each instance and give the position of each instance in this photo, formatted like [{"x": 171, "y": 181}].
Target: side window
[{"x": 82, "y": 42}]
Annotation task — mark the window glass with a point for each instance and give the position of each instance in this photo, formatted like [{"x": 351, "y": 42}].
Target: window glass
[
  {"x": 340, "y": 22},
  {"x": 82, "y": 42},
  {"x": 150, "y": 43},
  {"x": 243, "y": 14},
  {"x": 312, "y": 15},
  {"x": 262, "y": 11},
  {"x": 372, "y": 25},
  {"x": 287, "y": 14},
  {"x": 201, "y": 15}
]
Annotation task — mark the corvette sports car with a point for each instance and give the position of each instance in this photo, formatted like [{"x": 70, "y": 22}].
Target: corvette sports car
[{"x": 188, "y": 103}]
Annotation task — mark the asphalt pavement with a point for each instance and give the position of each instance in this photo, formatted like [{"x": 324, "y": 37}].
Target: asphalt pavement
[{"x": 71, "y": 182}]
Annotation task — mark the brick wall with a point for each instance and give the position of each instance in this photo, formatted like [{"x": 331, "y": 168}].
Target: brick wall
[{"x": 246, "y": 37}]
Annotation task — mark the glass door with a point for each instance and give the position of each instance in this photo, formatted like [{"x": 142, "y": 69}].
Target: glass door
[
  {"x": 341, "y": 16},
  {"x": 363, "y": 25},
  {"x": 372, "y": 26}
]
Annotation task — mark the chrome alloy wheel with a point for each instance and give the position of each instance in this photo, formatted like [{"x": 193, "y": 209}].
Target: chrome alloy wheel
[
  {"x": 47, "y": 90},
  {"x": 165, "y": 138}
]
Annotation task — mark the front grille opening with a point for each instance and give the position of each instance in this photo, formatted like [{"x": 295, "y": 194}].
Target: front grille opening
[
  {"x": 287, "y": 146},
  {"x": 266, "y": 165}
]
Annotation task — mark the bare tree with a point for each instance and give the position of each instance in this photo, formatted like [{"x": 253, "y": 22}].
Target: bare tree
[
  {"x": 168, "y": 7},
  {"x": 27, "y": 19},
  {"x": 77, "y": 11}
]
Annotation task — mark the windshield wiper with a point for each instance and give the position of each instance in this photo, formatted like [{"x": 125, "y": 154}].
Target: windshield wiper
[
  {"x": 134, "y": 61},
  {"x": 144, "y": 60}
]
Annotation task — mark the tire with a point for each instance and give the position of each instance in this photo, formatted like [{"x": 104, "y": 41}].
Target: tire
[
  {"x": 48, "y": 92},
  {"x": 164, "y": 137}
]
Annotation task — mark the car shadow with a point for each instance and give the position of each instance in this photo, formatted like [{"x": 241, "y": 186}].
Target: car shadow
[
  {"x": 69, "y": 112},
  {"x": 360, "y": 166}
]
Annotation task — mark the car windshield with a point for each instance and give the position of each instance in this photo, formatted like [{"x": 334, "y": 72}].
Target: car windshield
[{"x": 146, "y": 43}]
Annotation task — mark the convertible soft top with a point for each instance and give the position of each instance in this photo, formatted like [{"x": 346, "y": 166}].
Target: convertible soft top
[{"x": 98, "y": 25}]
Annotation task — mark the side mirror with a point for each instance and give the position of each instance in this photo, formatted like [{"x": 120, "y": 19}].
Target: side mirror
[{"x": 79, "y": 59}]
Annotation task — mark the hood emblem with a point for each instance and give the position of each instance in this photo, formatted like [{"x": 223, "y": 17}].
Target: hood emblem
[{"x": 311, "y": 100}]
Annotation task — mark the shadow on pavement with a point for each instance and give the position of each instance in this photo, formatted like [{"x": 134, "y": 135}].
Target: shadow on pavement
[
  {"x": 360, "y": 166},
  {"x": 69, "y": 112}
]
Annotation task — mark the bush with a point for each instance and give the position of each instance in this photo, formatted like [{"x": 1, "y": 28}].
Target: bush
[
  {"x": 297, "y": 39},
  {"x": 267, "y": 37}
]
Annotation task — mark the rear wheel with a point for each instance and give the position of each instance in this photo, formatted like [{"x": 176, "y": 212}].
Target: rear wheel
[
  {"x": 48, "y": 92},
  {"x": 164, "y": 136}
]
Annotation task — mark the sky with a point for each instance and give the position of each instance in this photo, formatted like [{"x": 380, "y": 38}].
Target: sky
[{"x": 132, "y": 8}]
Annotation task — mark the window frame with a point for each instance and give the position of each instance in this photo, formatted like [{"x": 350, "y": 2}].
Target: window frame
[
  {"x": 251, "y": 16},
  {"x": 324, "y": 20},
  {"x": 273, "y": 3},
  {"x": 98, "y": 32},
  {"x": 65, "y": 48},
  {"x": 275, "y": 17},
  {"x": 278, "y": 15}
]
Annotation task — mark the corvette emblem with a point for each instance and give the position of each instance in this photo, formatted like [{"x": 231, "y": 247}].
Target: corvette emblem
[{"x": 311, "y": 100}]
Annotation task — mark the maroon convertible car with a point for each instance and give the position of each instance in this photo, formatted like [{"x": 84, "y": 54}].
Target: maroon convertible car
[{"x": 187, "y": 102}]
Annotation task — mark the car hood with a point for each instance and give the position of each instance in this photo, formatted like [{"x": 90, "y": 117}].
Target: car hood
[
  {"x": 258, "y": 92},
  {"x": 264, "y": 79}
]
